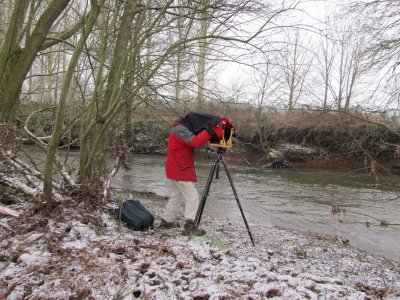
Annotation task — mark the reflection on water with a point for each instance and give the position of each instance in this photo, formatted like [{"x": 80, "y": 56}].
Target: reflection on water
[{"x": 290, "y": 197}]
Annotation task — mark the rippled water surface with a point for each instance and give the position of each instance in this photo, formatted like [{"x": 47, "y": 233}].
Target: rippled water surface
[{"x": 294, "y": 198}]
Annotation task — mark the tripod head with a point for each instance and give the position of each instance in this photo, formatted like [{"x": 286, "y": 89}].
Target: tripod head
[
  {"x": 221, "y": 150},
  {"x": 228, "y": 132},
  {"x": 218, "y": 150}
]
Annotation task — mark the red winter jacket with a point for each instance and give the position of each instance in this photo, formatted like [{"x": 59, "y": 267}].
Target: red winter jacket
[{"x": 179, "y": 164}]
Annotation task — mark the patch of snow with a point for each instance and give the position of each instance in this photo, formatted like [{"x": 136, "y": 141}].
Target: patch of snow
[
  {"x": 91, "y": 260},
  {"x": 34, "y": 258}
]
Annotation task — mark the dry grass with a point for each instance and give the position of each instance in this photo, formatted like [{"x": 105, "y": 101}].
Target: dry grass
[{"x": 371, "y": 139}]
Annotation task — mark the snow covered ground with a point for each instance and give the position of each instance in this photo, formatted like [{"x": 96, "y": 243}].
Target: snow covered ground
[{"x": 71, "y": 253}]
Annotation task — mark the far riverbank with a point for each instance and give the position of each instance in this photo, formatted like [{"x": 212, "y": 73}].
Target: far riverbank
[{"x": 312, "y": 139}]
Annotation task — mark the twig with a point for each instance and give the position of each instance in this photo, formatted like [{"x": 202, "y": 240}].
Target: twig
[
  {"x": 8, "y": 211},
  {"x": 7, "y": 227},
  {"x": 382, "y": 223},
  {"x": 241, "y": 153},
  {"x": 64, "y": 173}
]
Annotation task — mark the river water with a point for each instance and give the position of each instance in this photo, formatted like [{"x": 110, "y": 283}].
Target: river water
[{"x": 294, "y": 198}]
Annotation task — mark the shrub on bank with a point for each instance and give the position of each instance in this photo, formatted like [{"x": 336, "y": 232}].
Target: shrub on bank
[{"x": 335, "y": 138}]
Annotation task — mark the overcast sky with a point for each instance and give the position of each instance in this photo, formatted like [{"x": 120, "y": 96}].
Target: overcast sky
[{"x": 310, "y": 14}]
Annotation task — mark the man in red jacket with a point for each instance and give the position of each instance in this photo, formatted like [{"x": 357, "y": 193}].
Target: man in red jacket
[{"x": 180, "y": 165}]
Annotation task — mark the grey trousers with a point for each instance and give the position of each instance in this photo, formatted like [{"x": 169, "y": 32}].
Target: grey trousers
[{"x": 182, "y": 192}]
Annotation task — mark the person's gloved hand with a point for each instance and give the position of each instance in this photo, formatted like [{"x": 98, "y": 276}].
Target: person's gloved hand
[{"x": 227, "y": 121}]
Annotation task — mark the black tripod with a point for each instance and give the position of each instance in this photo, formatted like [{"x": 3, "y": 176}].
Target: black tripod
[{"x": 215, "y": 170}]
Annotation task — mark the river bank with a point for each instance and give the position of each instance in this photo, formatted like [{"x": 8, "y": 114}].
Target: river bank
[
  {"x": 299, "y": 139},
  {"x": 316, "y": 139},
  {"x": 79, "y": 250}
]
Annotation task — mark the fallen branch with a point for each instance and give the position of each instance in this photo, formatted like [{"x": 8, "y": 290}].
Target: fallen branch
[
  {"x": 7, "y": 227},
  {"x": 8, "y": 211},
  {"x": 335, "y": 210},
  {"x": 42, "y": 139},
  {"x": 107, "y": 182},
  {"x": 33, "y": 193},
  {"x": 16, "y": 184},
  {"x": 241, "y": 153},
  {"x": 24, "y": 169}
]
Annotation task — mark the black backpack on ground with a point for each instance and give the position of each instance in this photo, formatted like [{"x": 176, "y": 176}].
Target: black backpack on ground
[{"x": 135, "y": 215}]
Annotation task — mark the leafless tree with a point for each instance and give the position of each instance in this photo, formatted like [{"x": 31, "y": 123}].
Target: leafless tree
[
  {"x": 296, "y": 65},
  {"x": 325, "y": 57},
  {"x": 116, "y": 56},
  {"x": 341, "y": 63},
  {"x": 19, "y": 50},
  {"x": 381, "y": 19}
]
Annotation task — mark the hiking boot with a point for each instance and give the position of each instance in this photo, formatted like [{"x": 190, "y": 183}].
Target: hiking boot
[
  {"x": 166, "y": 225},
  {"x": 187, "y": 229}
]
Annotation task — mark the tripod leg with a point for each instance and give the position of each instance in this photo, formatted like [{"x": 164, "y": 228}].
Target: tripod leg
[
  {"x": 203, "y": 200},
  {"x": 237, "y": 200}
]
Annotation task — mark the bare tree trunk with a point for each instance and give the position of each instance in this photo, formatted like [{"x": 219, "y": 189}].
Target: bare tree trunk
[
  {"x": 341, "y": 83},
  {"x": 201, "y": 66},
  {"x": 350, "y": 91},
  {"x": 292, "y": 87},
  {"x": 112, "y": 92},
  {"x": 112, "y": 95},
  {"x": 92, "y": 114},
  {"x": 149, "y": 48},
  {"x": 10, "y": 43},
  {"x": 180, "y": 54},
  {"x": 55, "y": 138},
  {"x": 354, "y": 70},
  {"x": 15, "y": 62},
  {"x": 297, "y": 66},
  {"x": 178, "y": 77},
  {"x": 326, "y": 67}
]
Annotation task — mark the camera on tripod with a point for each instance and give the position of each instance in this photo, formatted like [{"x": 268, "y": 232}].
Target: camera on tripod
[
  {"x": 222, "y": 143},
  {"x": 228, "y": 133}
]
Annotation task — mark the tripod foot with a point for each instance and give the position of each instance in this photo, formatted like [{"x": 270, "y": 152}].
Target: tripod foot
[
  {"x": 188, "y": 229},
  {"x": 195, "y": 232}
]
